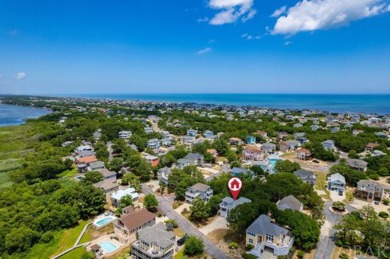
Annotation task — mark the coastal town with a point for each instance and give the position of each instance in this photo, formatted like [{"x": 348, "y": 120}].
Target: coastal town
[{"x": 150, "y": 180}]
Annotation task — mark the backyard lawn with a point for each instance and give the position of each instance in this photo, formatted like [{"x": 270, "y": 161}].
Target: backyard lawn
[{"x": 321, "y": 184}]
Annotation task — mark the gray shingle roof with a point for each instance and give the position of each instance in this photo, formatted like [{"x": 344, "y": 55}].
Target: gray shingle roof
[
  {"x": 157, "y": 234},
  {"x": 263, "y": 225},
  {"x": 290, "y": 202},
  {"x": 200, "y": 187}
]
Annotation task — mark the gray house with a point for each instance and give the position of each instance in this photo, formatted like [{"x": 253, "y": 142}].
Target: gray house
[
  {"x": 306, "y": 176},
  {"x": 196, "y": 159},
  {"x": 336, "y": 182},
  {"x": 290, "y": 202},
  {"x": 262, "y": 234},
  {"x": 163, "y": 174},
  {"x": 269, "y": 148},
  {"x": 229, "y": 203},
  {"x": 328, "y": 145},
  {"x": 198, "y": 190},
  {"x": 357, "y": 164},
  {"x": 370, "y": 190},
  {"x": 154, "y": 242}
]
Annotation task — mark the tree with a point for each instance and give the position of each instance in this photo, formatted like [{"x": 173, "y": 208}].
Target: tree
[
  {"x": 132, "y": 180},
  {"x": 20, "y": 239},
  {"x": 305, "y": 229},
  {"x": 199, "y": 210},
  {"x": 150, "y": 201},
  {"x": 242, "y": 216},
  {"x": 92, "y": 177},
  {"x": 258, "y": 170},
  {"x": 213, "y": 204},
  {"x": 193, "y": 246},
  {"x": 116, "y": 164},
  {"x": 353, "y": 154},
  {"x": 287, "y": 166}
]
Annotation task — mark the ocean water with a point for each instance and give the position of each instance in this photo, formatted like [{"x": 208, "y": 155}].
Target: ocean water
[
  {"x": 14, "y": 115},
  {"x": 379, "y": 104}
]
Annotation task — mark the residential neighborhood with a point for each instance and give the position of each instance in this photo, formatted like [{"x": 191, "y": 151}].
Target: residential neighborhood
[{"x": 161, "y": 180}]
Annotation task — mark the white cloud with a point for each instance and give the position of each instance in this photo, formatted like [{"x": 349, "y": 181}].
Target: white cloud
[
  {"x": 20, "y": 75},
  {"x": 288, "y": 43},
  {"x": 279, "y": 12},
  {"x": 311, "y": 15},
  {"x": 204, "y": 51},
  {"x": 204, "y": 19},
  {"x": 231, "y": 11},
  {"x": 251, "y": 37}
]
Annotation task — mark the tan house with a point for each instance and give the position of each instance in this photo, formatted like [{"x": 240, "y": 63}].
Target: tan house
[
  {"x": 128, "y": 224},
  {"x": 252, "y": 153},
  {"x": 303, "y": 154},
  {"x": 262, "y": 234}
]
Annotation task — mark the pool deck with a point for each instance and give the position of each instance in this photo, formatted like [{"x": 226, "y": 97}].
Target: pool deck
[{"x": 101, "y": 239}]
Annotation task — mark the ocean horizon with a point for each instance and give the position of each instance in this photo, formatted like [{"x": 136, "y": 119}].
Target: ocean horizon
[{"x": 364, "y": 103}]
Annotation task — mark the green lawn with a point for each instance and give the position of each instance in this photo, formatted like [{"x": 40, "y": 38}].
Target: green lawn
[
  {"x": 180, "y": 254},
  {"x": 70, "y": 236},
  {"x": 321, "y": 184},
  {"x": 4, "y": 180},
  {"x": 93, "y": 233},
  {"x": 68, "y": 173},
  {"x": 75, "y": 254}
]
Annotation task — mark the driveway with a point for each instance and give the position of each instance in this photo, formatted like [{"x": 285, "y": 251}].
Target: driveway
[
  {"x": 165, "y": 204},
  {"x": 326, "y": 245},
  {"x": 218, "y": 223}
]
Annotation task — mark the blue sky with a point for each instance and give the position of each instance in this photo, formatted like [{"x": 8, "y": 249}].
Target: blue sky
[{"x": 234, "y": 46}]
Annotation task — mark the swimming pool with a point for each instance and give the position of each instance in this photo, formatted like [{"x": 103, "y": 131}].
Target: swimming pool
[
  {"x": 102, "y": 221},
  {"x": 108, "y": 247}
]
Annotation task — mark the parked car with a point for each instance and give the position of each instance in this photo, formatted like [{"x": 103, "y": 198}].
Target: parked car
[
  {"x": 376, "y": 202},
  {"x": 182, "y": 240},
  {"x": 316, "y": 161}
]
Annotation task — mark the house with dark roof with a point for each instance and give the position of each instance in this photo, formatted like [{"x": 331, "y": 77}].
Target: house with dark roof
[
  {"x": 306, "y": 176},
  {"x": 357, "y": 164},
  {"x": 154, "y": 242},
  {"x": 107, "y": 174},
  {"x": 229, "y": 203},
  {"x": 262, "y": 234},
  {"x": 269, "y": 148},
  {"x": 291, "y": 203},
  {"x": 198, "y": 190},
  {"x": 127, "y": 225},
  {"x": 96, "y": 165}
]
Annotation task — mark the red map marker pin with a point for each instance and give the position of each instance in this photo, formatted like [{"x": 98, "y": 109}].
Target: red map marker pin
[{"x": 234, "y": 185}]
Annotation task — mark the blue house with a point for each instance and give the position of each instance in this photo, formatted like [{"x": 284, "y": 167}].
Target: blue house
[
  {"x": 192, "y": 132},
  {"x": 208, "y": 134},
  {"x": 251, "y": 140}
]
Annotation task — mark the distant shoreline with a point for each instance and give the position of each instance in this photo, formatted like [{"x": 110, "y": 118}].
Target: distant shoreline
[{"x": 356, "y": 103}]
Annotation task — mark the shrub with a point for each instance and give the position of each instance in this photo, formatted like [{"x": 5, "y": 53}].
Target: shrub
[
  {"x": 233, "y": 245},
  {"x": 383, "y": 215},
  {"x": 47, "y": 237},
  {"x": 343, "y": 256},
  {"x": 374, "y": 177},
  {"x": 249, "y": 247},
  {"x": 185, "y": 210},
  {"x": 175, "y": 205},
  {"x": 300, "y": 254},
  {"x": 338, "y": 205},
  {"x": 248, "y": 256},
  {"x": 193, "y": 246},
  {"x": 172, "y": 222},
  {"x": 386, "y": 201}
]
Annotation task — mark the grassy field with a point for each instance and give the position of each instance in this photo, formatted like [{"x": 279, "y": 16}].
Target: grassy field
[
  {"x": 70, "y": 236},
  {"x": 75, "y": 254},
  {"x": 62, "y": 241},
  {"x": 93, "y": 233},
  {"x": 68, "y": 173},
  {"x": 15, "y": 143},
  {"x": 321, "y": 184}
]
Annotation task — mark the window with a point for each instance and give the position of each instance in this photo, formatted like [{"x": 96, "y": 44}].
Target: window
[
  {"x": 270, "y": 238},
  {"x": 251, "y": 234},
  {"x": 250, "y": 240}
]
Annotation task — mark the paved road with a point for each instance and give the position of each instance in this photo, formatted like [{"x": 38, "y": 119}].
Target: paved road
[
  {"x": 165, "y": 204},
  {"x": 110, "y": 151},
  {"x": 327, "y": 241}
]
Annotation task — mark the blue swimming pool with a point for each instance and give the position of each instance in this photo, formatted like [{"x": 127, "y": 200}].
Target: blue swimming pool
[
  {"x": 108, "y": 247},
  {"x": 103, "y": 221}
]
